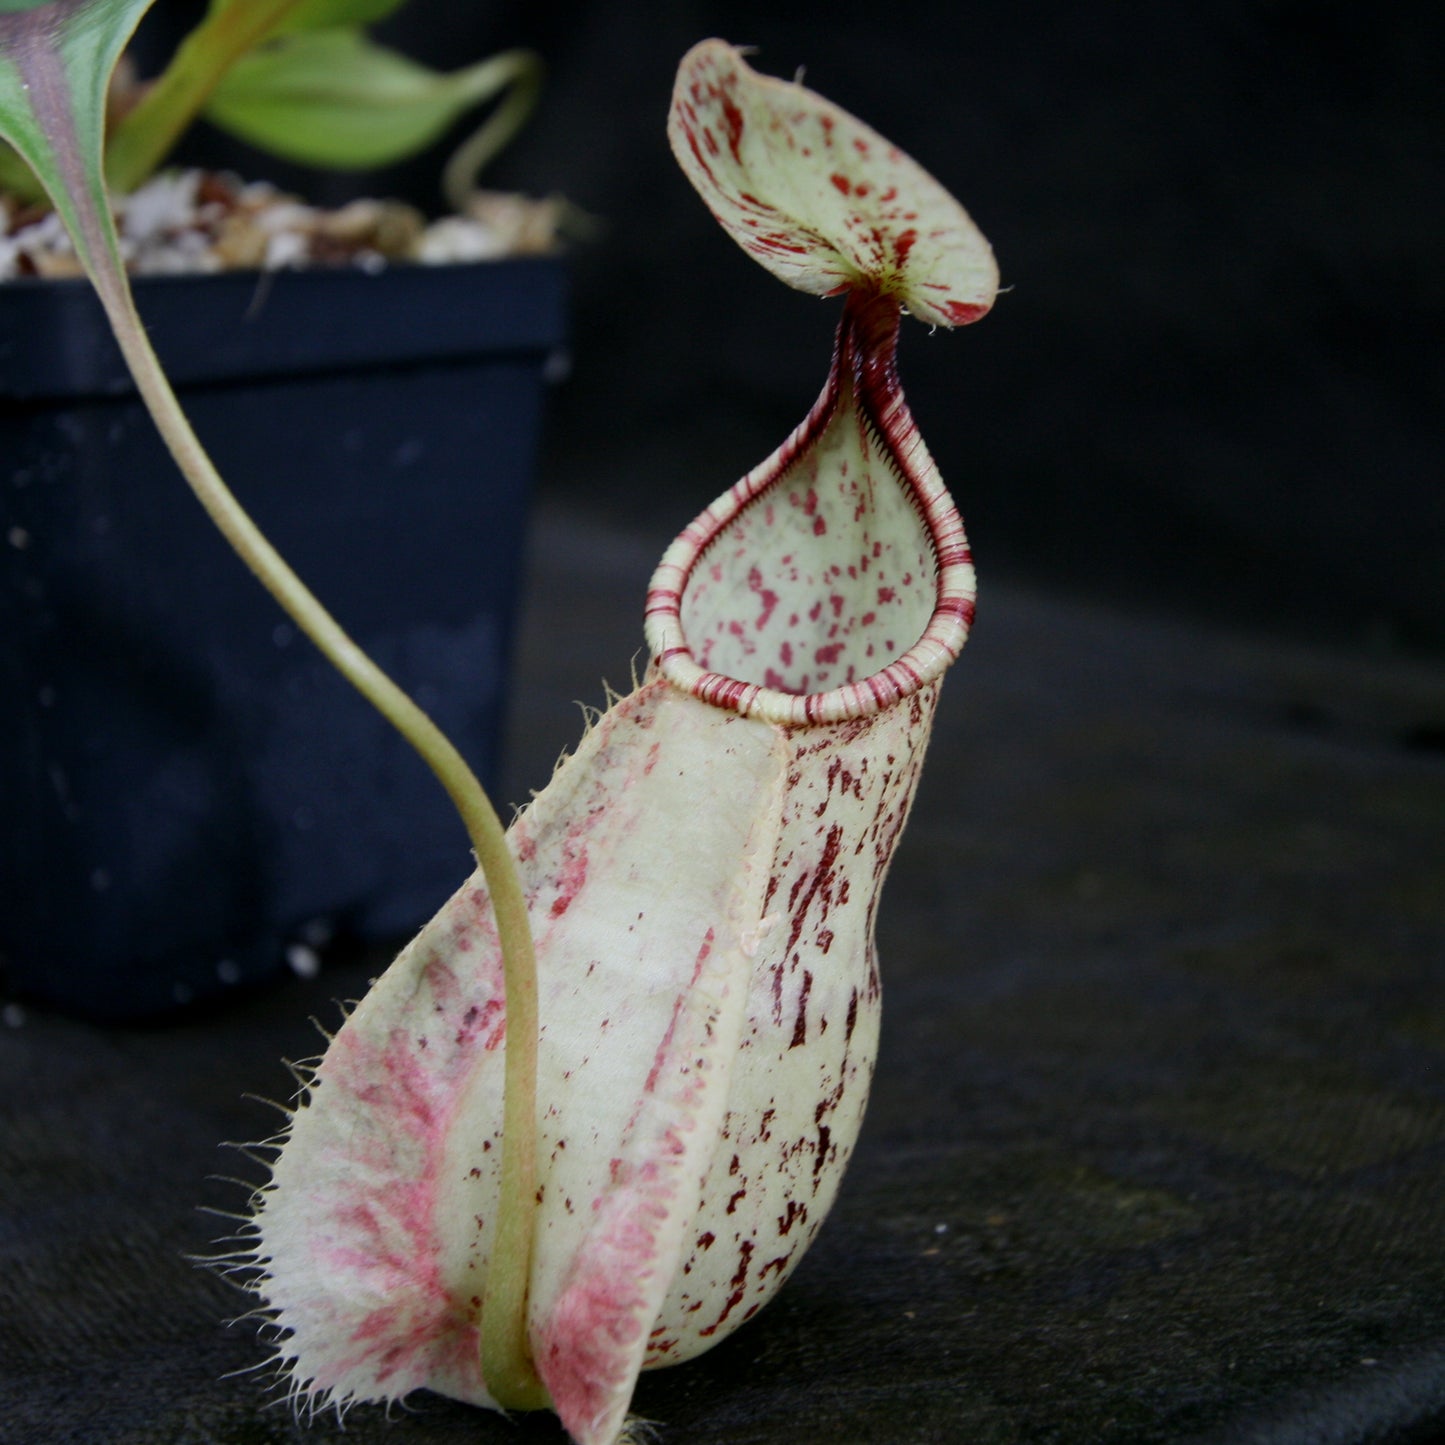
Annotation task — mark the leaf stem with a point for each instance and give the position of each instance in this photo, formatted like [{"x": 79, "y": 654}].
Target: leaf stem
[
  {"x": 522, "y": 70},
  {"x": 506, "y": 1354},
  {"x": 57, "y": 129},
  {"x": 143, "y": 138}
]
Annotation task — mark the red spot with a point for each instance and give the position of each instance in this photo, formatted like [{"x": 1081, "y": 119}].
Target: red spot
[
  {"x": 825, "y": 1136},
  {"x": 960, "y": 313},
  {"x": 819, "y": 526},
  {"x": 827, "y": 656},
  {"x": 842, "y": 184},
  {"x": 766, "y": 596},
  {"x": 739, "y": 1283},
  {"x": 778, "y": 241},
  {"x": 733, "y": 120},
  {"x": 800, "y": 1024},
  {"x": 696, "y": 150},
  {"x": 571, "y": 878},
  {"x": 778, "y": 991},
  {"x": 660, "y": 1058}
]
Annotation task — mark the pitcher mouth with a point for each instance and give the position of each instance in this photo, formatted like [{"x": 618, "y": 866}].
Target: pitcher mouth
[{"x": 863, "y": 379}]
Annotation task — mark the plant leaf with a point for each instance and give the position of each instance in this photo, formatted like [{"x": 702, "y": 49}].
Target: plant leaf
[
  {"x": 326, "y": 14},
  {"x": 819, "y": 198},
  {"x": 318, "y": 14},
  {"x": 56, "y": 59},
  {"x": 335, "y": 99},
  {"x": 230, "y": 30},
  {"x": 16, "y": 178}
]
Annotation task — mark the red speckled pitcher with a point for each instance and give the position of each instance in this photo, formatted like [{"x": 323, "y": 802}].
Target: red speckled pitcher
[{"x": 702, "y": 874}]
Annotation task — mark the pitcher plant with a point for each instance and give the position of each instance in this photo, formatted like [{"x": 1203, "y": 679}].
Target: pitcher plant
[
  {"x": 702, "y": 874},
  {"x": 520, "y": 1184}
]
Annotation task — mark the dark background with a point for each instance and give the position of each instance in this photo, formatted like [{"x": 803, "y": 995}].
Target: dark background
[{"x": 1215, "y": 382}]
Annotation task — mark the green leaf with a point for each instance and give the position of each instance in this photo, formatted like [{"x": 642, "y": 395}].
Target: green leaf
[
  {"x": 56, "y": 59},
  {"x": 332, "y": 98},
  {"x": 329, "y": 14},
  {"x": 230, "y": 30},
  {"x": 16, "y": 178},
  {"x": 316, "y": 14}
]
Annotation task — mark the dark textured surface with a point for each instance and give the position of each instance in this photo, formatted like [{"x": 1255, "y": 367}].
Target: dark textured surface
[{"x": 1157, "y": 1143}]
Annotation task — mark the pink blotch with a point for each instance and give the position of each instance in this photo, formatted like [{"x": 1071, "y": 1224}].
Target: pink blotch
[
  {"x": 962, "y": 312},
  {"x": 572, "y": 877},
  {"x": 766, "y": 596},
  {"x": 733, "y": 120}
]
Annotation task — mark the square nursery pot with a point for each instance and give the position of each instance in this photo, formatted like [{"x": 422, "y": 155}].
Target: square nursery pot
[{"x": 187, "y": 790}]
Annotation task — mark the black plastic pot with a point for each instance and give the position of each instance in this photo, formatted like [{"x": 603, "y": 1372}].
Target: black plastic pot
[{"x": 186, "y": 788}]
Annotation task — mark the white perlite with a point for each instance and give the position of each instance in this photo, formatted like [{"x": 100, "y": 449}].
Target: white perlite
[{"x": 193, "y": 221}]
